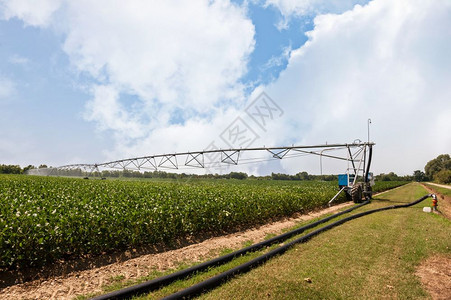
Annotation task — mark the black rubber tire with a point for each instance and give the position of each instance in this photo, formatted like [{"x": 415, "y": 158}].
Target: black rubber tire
[
  {"x": 369, "y": 193},
  {"x": 348, "y": 196},
  {"x": 357, "y": 193}
]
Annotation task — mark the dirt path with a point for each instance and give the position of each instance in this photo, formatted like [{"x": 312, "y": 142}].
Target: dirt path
[
  {"x": 91, "y": 281},
  {"x": 440, "y": 185},
  {"x": 435, "y": 276}
]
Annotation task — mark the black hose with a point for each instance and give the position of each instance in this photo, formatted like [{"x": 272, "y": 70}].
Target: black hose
[
  {"x": 370, "y": 155},
  {"x": 220, "y": 278},
  {"x": 157, "y": 283}
]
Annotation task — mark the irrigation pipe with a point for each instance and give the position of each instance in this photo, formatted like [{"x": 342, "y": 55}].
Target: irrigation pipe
[
  {"x": 220, "y": 278},
  {"x": 157, "y": 283}
]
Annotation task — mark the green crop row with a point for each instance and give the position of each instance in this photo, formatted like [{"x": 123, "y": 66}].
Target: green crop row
[
  {"x": 43, "y": 219},
  {"x": 381, "y": 186}
]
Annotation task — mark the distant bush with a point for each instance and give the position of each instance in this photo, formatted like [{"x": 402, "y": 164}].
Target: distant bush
[
  {"x": 443, "y": 176},
  {"x": 10, "y": 169},
  {"x": 238, "y": 175},
  {"x": 441, "y": 162}
]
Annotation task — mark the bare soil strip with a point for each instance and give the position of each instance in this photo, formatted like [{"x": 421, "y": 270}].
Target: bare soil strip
[
  {"x": 89, "y": 281},
  {"x": 435, "y": 275}
]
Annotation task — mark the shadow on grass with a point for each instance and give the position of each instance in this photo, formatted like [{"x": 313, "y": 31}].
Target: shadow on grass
[{"x": 381, "y": 200}]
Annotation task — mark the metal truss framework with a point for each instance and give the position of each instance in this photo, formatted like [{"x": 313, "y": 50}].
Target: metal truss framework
[{"x": 356, "y": 153}]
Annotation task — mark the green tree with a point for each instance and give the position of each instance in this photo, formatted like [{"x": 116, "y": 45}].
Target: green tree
[
  {"x": 238, "y": 175},
  {"x": 441, "y": 162},
  {"x": 29, "y": 167},
  {"x": 419, "y": 175},
  {"x": 303, "y": 175},
  {"x": 443, "y": 176},
  {"x": 387, "y": 177},
  {"x": 10, "y": 169}
]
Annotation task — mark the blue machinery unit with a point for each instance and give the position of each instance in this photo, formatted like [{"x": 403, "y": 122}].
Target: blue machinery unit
[
  {"x": 346, "y": 183},
  {"x": 358, "y": 181}
]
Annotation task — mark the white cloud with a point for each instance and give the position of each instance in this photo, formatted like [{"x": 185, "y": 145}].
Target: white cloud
[
  {"x": 150, "y": 59},
  {"x": 298, "y": 8},
  {"x": 18, "y": 60},
  {"x": 31, "y": 12},
  {"x": 388, "y": 61},
  {"x": 181, "y": 53},
  {"x": 312, "y": 7},
  {"x": 277, "y": 61},
  {"x": 105, "y": 109},
  {"x": 7, "y": 88},
  {"x": 176, "y": 52}
]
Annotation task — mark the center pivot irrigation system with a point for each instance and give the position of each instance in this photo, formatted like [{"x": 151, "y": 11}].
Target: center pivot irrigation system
[{"x": 356, "y": 182}]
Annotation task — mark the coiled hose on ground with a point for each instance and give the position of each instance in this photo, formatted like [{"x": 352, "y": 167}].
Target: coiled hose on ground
[{"x": 215, "y": 281}]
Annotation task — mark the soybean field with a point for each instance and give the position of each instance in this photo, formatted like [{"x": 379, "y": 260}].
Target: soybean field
[{"x": 43, "y": 219}]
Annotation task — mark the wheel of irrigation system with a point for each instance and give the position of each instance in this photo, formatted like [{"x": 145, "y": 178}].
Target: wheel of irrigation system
[
  {"x": 369, "y": 193},
  {"x": 357, "y": 193},
  {"x": 348, "y": 196}
]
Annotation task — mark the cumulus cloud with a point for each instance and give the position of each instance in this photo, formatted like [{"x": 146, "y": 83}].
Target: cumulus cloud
[
  {"x": 167, "y": 74},
  {"x": 106, "y": 109},
  {"x": 7, "y": 88},
  {"x": 388, "y": 61},
  {"x": 181, "y": 53},
  {"x": 151, "y": 59},
  {"x": 32, "y": 13},
  {"x": 309, "y": 7},
  {"x": 19, "y": 60},
  {"x": 299, "y": 8}
]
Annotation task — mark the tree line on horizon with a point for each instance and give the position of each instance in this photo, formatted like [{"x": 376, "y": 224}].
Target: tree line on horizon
[
  {"x": 14, "y": 169},
  {"x": 438, "y": 170}
]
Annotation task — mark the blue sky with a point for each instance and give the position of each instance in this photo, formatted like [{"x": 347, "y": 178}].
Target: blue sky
[
  {"x": 44, "y": 108},
  {"x": 84, "y": 82},
  {"x": 271, "y": 42}
]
